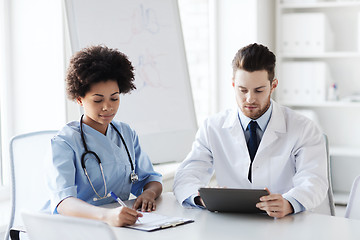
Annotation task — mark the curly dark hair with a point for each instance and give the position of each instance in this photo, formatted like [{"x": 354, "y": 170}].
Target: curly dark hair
[
  {"x": 255, "y": 57},
  {"x": 96, "y": 64}
]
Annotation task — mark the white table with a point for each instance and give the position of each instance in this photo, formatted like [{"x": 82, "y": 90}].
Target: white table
[{"x": 209, "y": 225}]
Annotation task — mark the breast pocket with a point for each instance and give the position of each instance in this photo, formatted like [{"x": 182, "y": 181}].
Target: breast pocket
[{"x": 117, "y": 176}]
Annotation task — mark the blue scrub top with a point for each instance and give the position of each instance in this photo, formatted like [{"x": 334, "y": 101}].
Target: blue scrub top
[{"x": 66, "y": 176}]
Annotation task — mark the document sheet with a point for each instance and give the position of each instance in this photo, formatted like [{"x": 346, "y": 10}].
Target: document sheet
[{"x": 152, "y": 221}]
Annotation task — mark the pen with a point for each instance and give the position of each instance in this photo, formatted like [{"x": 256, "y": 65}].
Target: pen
[{"x": 116, "y": 198}]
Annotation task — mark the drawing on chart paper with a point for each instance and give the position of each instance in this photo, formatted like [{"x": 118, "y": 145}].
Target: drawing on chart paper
[
  {"x": 147, "y": 71},
  {"x": 149, "y": 33},
  {"x": 141, "y": 21}
]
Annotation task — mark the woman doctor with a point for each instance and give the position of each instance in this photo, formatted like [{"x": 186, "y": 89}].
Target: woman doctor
[{"x": 96, "y": 155}]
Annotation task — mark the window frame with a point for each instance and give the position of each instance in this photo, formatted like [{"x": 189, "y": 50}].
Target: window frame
[
  {"x": 3, "y": 13},
  {"x": 4, "y": 40}
]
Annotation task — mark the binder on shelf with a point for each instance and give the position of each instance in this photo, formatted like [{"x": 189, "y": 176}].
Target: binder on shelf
[
  {"x": 306, "y": 33},
  {"x": 303, "y": 82}
]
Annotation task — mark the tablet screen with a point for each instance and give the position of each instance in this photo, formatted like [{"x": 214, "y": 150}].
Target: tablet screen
[{"x": 232, "y": 199}]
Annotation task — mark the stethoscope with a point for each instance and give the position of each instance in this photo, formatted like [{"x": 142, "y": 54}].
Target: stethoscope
[{"x": 133, "y": 176}]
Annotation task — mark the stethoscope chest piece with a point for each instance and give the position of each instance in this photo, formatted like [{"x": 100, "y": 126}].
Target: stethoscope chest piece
[{"x": 134, "y": 177}]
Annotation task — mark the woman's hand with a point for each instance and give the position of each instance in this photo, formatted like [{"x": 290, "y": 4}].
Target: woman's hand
[
  {"x": 121, "y": 216},
  {"x": 146, "y": 201}
]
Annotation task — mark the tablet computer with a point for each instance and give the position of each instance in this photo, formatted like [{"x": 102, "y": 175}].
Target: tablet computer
[{"x": 232, "y": 199}]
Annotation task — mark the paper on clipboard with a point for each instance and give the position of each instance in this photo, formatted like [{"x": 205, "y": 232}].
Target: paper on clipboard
[{"x": 152, "y": 222}]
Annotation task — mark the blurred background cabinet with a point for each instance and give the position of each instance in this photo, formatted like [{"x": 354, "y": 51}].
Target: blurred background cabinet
[{"x": 318, "y": 64}]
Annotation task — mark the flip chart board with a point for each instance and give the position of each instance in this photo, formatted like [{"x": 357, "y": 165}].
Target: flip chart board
[{"x": 149, "y": 32}]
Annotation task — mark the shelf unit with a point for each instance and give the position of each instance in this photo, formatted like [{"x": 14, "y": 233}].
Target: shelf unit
[
  {"x": 344, "y": 151},
  {"x": 300, "y": 4},
  {"x": 326, "y": 55},
  {"x": 337, "y": 119},
  {"x": 323, "y": 104}
]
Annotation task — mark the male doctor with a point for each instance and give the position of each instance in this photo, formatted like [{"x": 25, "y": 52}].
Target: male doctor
[{"x": 258, "y": 145}]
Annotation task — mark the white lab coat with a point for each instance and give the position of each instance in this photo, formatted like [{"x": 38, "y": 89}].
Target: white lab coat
[{"x": 290, "y": 160}]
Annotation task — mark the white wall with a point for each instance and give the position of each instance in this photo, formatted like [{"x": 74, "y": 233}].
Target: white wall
[
  {"x": 33, "y": 97},
  {"x": 240, "y": 23},
  {"x": 37, "y": 65}
]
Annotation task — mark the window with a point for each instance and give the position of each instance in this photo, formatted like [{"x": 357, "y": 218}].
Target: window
[
  {"x": 32, "y": 55},
  {"x": 2, "y": 76},
  {"x": 196, "y": 31},
  {"x": 214, "y": 30},
  {"x": 1, "y": 162}
]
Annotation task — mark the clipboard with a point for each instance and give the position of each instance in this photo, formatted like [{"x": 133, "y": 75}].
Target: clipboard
[
  {"x": 232, "y": 199},
  {"x": 153, "y": 222}
]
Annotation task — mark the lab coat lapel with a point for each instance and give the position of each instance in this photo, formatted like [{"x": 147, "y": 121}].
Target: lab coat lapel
[
  {"x": 232, "y": 123},
  {"x": 238, "y": 153},
  {"x": 276, "y": 125}
]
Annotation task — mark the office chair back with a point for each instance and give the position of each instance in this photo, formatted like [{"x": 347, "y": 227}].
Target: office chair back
[
  {"x": 327, "y": 206},
  {"x": 353, "y": 206},
  {"x": 28, "y": 185}
]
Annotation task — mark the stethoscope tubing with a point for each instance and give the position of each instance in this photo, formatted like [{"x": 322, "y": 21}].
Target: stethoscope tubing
[
  {"x": 133, "y": 176},
  {"x": 93, "y": 153}
]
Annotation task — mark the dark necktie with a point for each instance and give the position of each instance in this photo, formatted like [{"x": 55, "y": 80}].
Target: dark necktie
[{"x": 252, "y": 144}]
